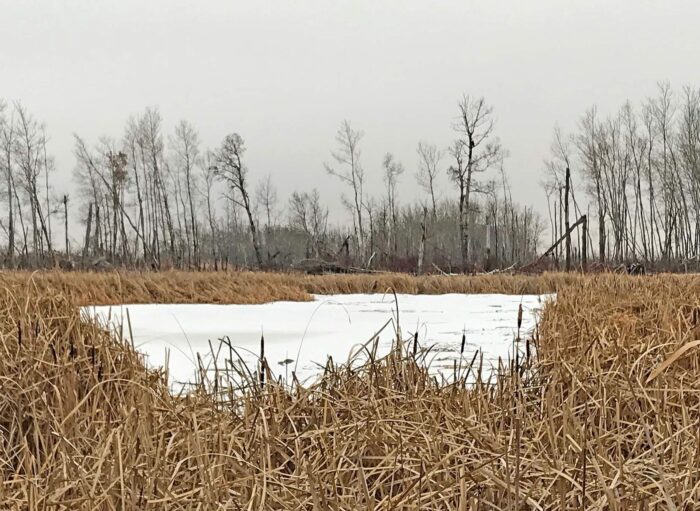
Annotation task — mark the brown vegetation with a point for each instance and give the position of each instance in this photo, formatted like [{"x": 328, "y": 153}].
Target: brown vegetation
[
  {"x": 606, "y": 418},
  {"x": 109, "y": 288}
]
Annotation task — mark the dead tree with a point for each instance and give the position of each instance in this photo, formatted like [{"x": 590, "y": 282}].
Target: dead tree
[
  {"x": 350, "y": 172},
  {"x": 266, "y": 197},
  {"x": 308, "y": 215},
  {"x": 392, "y": 171},
  {"x": 7, "y": 142},
  {"x": 185, "y": 146},
  {"x": 474, "y": 152},
  {"x": 230, "y": 168},
  {"x": 423, "y": 236},
  {"x": 566, "y": 219},
  {"x": 428, "y": 160},
  {"x": 28, "y": 154},
  {"x": 65, "y": 222},
  {"x": 88, "y": 232},
  {"x": 208, "y": 174}
]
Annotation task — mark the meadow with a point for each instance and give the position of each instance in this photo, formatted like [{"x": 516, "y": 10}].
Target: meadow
[{"x": 601, "y": 411}]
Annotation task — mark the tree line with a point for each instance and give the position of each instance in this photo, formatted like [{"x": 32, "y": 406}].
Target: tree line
[
  {"x": 638, "y": 171},
  {"x": 149, "y": 198}
]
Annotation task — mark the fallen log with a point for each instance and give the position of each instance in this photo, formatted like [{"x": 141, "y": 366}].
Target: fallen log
[{"x": 561, "y": 238}]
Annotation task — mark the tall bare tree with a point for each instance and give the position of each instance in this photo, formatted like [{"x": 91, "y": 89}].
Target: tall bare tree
[
  {"x": 392, "y": 171},
  {"x": 266, "y": 197},
  {"x": 31, "y": 159},
  {"x": 429, "y": 157},
  {"x": 689, "y": 155},
  {"x": 185, "y": 146},
  {"x": 7, "y": 141},
  {"x": 208, "y": 173},
  {"x": 308, "y": 215},
  {"x": 350, "y": 172},
  {"x": 475, "y": 151},
  {"x": 230, "y": 168}
]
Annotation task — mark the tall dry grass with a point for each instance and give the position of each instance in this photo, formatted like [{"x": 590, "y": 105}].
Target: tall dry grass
[
  {"x": 110, "y": 288},
  {"x": 605, "y": 418}
]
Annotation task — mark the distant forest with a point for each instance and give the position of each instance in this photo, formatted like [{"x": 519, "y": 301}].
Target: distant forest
[{"x": 156, "y": 200}]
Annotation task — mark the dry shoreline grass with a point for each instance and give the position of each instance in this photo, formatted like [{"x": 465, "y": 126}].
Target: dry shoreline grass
[
  {"x": 606, "y": 418},
  {"x": 111, "y": 288}
]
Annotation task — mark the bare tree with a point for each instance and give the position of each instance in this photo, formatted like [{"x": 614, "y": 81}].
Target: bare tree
[
  {"x": 392, "y": 171},
  {"x": 151, "y": 145},
  {"x": 429, "y": 157},
  {"x": 30, "y": 157},
  {"x": 185, "y": 147},
  {"x": 102, "y": 178},
  {"x": 266, "y": 196},
  {"x": 308, "y": 215},
  {"x": 561, "y": 157},
  {"x": 117, "y": 171},
  {"x": 132, "y": 146},
  {"x": 587, "y": 142},
  {"x": 474, "y": 152},
  {"x": 689, "y": 155},
  {"x": 208, "y": 173},
  {"x": 640, "y": 169},
  {"x": 230, "y": 168},
  {"x": 350, "y": 172},
  {"x": 7, "y": 141},
  {"x": 664, "y": 112}
]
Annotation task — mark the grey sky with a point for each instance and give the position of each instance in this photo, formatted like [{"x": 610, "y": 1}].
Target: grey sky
[{"x": 284, "y": 74}]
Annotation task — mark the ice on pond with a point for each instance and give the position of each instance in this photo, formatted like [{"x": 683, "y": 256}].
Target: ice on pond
[{"x": 300, "y": 336}]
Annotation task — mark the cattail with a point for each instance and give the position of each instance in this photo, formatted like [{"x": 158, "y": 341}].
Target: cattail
[
  {"x": 527, "y": 350},
  {"x": 415, "y": 344},
  {"x": 520, "y": 315},
  {"x": 262, "y": 360},
  {"x": 464, "y": 341}
]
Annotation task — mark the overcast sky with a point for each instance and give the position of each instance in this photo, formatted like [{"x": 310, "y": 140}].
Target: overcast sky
[{"x": 285, "y": 74}]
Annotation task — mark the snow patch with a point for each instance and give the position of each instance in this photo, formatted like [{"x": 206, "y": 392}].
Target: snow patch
[{"x": 307, "y": 333}]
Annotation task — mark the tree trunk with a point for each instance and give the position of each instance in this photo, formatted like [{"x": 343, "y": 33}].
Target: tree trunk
[
  {"x": 601, "y": 236},
  {"x": 11, "y": 208},
  {"x": 65, "y": 225},
  {"x": 566, "y": 219},
  {"x": 584, "y": 246},
  {"x": 86, "y": 246},
  {"x": 421, "y": 247},
  {"x": 253, "y": 230}
]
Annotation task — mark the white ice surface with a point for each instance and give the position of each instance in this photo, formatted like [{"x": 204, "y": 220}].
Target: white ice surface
[{"x": 331, "y": 325}]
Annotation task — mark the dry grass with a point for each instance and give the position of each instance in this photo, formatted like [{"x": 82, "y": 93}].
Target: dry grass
[
  {"x": 439, "y": 284},
  {"x": 112, "y": 288},
  {"x": 606, "y": 418}
]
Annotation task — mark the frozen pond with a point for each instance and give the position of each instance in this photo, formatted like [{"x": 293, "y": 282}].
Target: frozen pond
[{"x": 332, "y": 325}]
